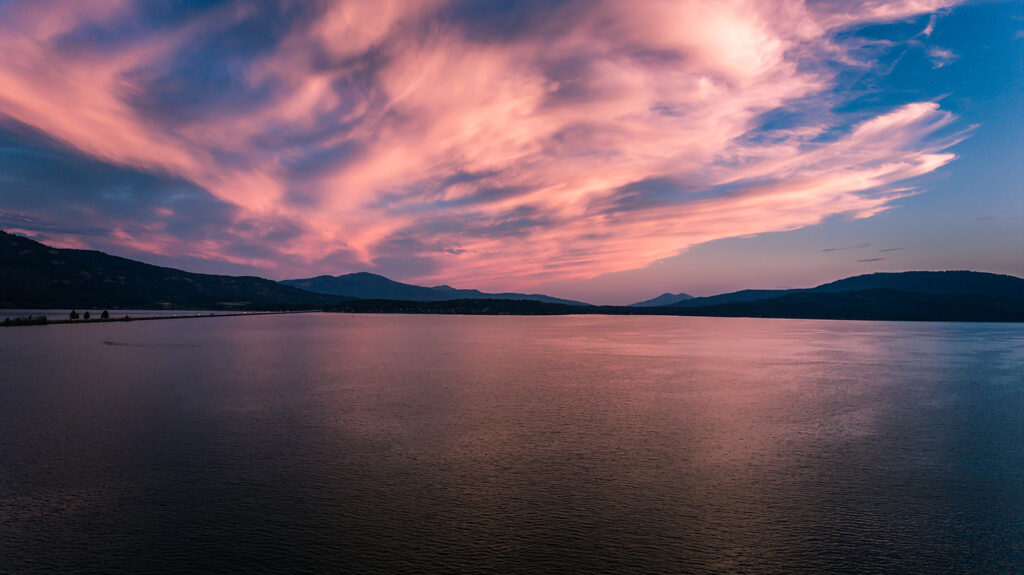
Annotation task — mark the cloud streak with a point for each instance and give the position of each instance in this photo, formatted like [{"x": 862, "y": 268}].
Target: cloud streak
[
  {"x": 845, "y": 248},
  {"x": 439, "y": 140}
]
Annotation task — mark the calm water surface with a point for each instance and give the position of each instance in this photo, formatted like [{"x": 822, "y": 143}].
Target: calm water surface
[{"x": 323, "y": 443}]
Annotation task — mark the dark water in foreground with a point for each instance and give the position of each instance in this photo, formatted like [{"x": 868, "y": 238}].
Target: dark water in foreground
[{"x": 444, "y": 444}]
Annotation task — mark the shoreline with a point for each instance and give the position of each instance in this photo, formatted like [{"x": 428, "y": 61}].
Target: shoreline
[
  {"x": 433, "y": 308},
  {"x": 148, "y": 318}
]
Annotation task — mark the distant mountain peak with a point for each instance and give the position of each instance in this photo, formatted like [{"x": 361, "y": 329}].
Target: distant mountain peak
[
  {"x": 666, "y": 298},
  {"x": 367, "y": 285}
]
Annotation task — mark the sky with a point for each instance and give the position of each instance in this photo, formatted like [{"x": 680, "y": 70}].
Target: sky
[{"x": 598, "y": 150}]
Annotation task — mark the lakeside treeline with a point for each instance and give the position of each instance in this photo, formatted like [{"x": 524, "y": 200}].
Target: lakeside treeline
[
  {"x": 877, "y": 304},
  {"x": 43, "y": 320},
  {"x": 24, "y": 320}
]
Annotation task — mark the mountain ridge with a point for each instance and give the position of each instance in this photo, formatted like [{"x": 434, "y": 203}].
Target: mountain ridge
[
  {"x": 666, "y": 298},
  {"x": 950, "y": 282},
  {"x": 366, "y": 285},
  {"x": 870, "y": 305},
  {"x": 35, "y": 275}
]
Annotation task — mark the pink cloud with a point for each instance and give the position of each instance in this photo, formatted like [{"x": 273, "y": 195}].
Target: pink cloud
[{"x": 496, "y": 160}]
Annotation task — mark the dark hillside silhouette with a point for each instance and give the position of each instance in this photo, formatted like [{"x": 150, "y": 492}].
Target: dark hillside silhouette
[
  {"x": 664, "y": 299},
  {"x": 926, "y": 282},
  {"x": 372, "y": 286},
  {"x": 34, "y": 275}
]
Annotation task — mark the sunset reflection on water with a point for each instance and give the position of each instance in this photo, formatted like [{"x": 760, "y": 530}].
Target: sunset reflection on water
[{"x": 513, "y": 444}]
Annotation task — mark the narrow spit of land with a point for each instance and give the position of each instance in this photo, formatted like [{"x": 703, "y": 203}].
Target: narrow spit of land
[{"x": 15, "y": 322}]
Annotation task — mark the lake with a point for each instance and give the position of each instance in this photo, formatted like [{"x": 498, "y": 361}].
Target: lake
[{"x": 330, "y": 443}]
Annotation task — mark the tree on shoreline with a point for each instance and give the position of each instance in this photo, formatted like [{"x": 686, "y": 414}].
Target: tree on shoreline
[{"x": 24, "y": 320}]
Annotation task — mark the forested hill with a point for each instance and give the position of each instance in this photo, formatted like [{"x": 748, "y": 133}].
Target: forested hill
[{"x": 34, "y": 275}]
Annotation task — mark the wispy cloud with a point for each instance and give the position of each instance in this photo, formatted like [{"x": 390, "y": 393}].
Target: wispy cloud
[
  {"x": 869, "y": 260},
  {"x": 930, "y": 27},
  {"x": 844, "y": 248},
  {"x": 941, "y": 57},
  {"x": 445, "y": 140}
]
